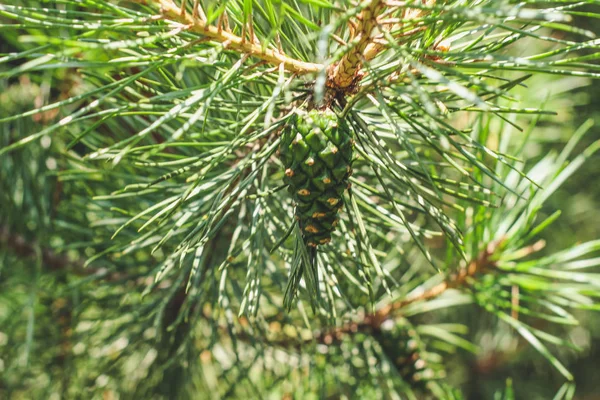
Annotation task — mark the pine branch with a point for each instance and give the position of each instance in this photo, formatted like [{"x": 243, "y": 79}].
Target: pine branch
[
  {"x": 197, "y": 24},
  {"x": 377, "y": 44},
  {"x": 373, "y": 321},
  {"x": 194, "y": 198},
  {"x": 53, "y": 261},
  {"x": 345, "y": 73},
  {"x": 481, "y": 264},
  {"x": 342, "y": 76}
]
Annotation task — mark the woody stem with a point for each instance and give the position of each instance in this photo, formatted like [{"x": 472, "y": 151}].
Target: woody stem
[
  {"x": 230, "y": 41},
  {"x": 344, "y": 73}
]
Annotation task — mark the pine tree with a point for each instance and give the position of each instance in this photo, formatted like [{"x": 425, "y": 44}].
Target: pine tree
[{"x": 285, "y": 199}]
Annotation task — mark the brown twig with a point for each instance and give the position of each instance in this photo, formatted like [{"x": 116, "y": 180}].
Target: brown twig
[
  {"x": 368, "y": 33},
  {"x": 19, "y": 245},
  {"x": 345, "y": 73},
  {"x": 478, "y": 265},
  {"x": 372, "y": 322},
  {"x": 51, "y": 260},
  {"x": 196, "y": 24}
]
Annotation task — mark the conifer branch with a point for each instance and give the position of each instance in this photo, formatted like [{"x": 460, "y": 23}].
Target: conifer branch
[
  {"x": 377, "y": 45},
  {"x": 479, "y": 265},
  {"x": 373, "y": 321},
  {"x": 53, "y": 261},
  {"x": 230, "y": 41},
  {"x": 183, "y": 224},
  {"x": 344, "y": 74}
]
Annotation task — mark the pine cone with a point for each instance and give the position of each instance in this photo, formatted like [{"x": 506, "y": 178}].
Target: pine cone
[{"x": 316, "y": 150}]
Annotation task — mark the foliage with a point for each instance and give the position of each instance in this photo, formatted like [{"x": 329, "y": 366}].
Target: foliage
[{"x": 150, "y": 251}]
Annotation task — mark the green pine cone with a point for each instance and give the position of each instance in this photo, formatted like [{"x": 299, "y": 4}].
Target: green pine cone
[{"x": 316, "y": 150}]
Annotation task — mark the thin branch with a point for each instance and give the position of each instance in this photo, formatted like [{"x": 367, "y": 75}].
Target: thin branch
[
  {"x": 372, "y": 322},
  {"x": 346, "y": 73},
  {"x": 23, "y": 248},
  {"x": 195, "y": 24},
  {"x": 478, "y": 265},
  {"x": 369, "y": 43}
]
